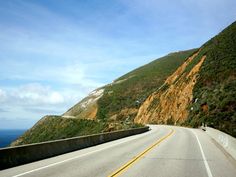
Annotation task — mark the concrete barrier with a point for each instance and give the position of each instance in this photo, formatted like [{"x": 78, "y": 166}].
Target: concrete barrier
[
  {"x": 13, "y": 156},
  {"x": 226, "y": 141}
]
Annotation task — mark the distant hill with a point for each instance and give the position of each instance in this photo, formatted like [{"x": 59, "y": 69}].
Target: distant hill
[{"x": 183, "y": 88}]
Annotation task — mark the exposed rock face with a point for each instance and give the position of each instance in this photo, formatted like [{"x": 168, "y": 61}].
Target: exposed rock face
[
  {"x": 169, "y": 105},
  {"x": 180, "y": 70}
]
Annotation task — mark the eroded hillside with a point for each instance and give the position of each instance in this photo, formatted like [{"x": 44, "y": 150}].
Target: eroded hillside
[
  {"x": 87, "y": 108},
  {"x": 186, "y": 88},
  {"x": 112, "y": 107},
  {"x": 123, "y": 97},
  {"x": 202, "y": 90},
  {"x": 214, "y": 95},
  {"x": 169, "y": 105}
]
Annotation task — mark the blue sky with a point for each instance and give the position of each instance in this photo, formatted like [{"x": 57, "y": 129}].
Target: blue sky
[{"x": 53, "y": 53}]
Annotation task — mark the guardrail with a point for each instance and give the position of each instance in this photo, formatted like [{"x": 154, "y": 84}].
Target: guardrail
[
  {"x": 226, "y": 141},
  {"x": 14, "y": 156}
]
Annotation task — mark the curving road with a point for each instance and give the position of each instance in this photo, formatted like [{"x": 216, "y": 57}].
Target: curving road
[{"x": 165, "y": 151}]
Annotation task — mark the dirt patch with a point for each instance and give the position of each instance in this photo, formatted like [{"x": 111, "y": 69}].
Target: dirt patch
[{"x": 173, "y": 102}]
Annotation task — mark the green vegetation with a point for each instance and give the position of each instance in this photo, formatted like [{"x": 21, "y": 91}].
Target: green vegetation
[
  {"x": 56, "y": 127},
  {"x": 130, "y": 90},
  {"x": 214, "y": 95},
  {"x": 214, "y": 100}
]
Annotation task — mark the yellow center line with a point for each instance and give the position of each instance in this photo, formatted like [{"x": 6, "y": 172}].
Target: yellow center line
[{"x": 135, "y": 159}]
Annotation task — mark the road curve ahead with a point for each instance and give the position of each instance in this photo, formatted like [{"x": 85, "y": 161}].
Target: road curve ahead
[{"x": 165, "y": 151}]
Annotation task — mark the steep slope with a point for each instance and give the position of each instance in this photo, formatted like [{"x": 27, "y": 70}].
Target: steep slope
[
  {"x": 119, "y": 101},
  {"x": 202, "y": 90},
  {"x": 86, "y": 108},
  {"x": 57, "y": 127},
  {"x": 214, "y": 95},
  {"x": 185, "y": 88},
  {"x": 109, "y": 108},
  {"x": 122, "y": 98},
  {"x": 169, "y": 104}
]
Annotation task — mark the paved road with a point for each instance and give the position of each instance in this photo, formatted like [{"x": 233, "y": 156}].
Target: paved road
[{"x": 165, "y": 151}]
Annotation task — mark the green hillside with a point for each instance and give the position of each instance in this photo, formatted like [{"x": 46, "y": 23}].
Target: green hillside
[
  {"x": 114, "y": 106},
  {"x": 130, "y": 90},
  {"x": 123, "y": 93},
  {"x": 56, "y": 127},
  {"x": 216, "y": 86}
]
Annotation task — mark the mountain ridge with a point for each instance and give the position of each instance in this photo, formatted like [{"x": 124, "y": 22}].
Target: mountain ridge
[{"x": 187, "y": 88}]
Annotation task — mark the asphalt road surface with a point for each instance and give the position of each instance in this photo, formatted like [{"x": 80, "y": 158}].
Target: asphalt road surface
[{"x": 165, "y": 151}]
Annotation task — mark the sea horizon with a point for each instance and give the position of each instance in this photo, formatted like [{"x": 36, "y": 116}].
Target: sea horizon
[{"x": 9, "y": 135}]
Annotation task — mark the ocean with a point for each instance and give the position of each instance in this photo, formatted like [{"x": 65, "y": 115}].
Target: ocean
[{"x": 7, "y": 136}]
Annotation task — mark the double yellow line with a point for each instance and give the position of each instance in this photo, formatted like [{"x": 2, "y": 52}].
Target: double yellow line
[{"x": 135, "y": 159}]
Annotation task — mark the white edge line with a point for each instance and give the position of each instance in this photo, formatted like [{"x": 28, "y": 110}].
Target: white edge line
[
  {"x": 203, "y": 156},
  {"x": 53, "y": 164}
]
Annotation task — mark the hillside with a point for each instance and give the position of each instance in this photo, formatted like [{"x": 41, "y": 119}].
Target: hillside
[
  {"x": 184, "y": 88},
  {"x": 109, "y": 108},
  {"x": 168, "y": 105},
  {"x": 202, "y": 90},
  {"x": 122, "y": 98},
  {"x": 214, "y": 95}
]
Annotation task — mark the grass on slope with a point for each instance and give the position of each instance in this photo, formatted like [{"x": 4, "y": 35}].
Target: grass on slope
[
  {"x": 56, "y": 127},
  {"x": 215, "y": 91},
  {"x": 133, "y": 88}
]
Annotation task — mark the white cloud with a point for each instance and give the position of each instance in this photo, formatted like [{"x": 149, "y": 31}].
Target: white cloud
[
  {"x": 55, "y": 98},
  {"x": 2, "y": 95},
  {"x": 33, "y": 94},
  {"x": 33, "y": 101},
  {"x": 37, "y": 94},
  {"x": 30, "y": 102}
]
